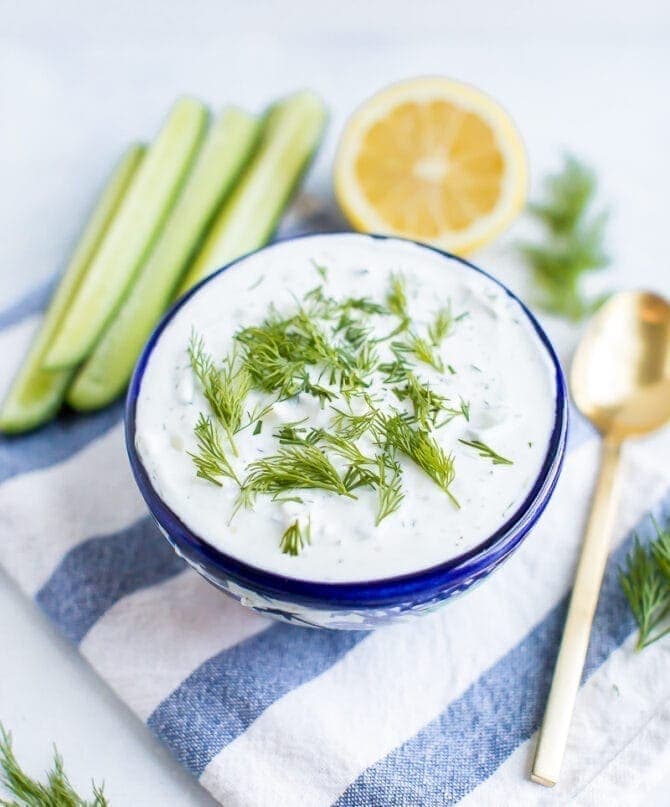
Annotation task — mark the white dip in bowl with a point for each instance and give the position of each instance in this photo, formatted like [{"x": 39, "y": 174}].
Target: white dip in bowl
[{"x": 489, "y": 378}]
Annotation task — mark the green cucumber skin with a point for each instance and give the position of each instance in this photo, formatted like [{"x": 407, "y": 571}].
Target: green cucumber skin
[
  {"x": 131, "y": 235},
  {"x": 247, "y": 222},
  {"x": 105, "y": 374},
  {"x": 36, "y": 394}
]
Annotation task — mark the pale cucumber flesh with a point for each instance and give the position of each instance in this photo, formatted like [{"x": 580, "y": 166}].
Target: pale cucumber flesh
[
  {"x": 291, "y": 136},
  {"x": 131, "y": 234},
  {"x": 224, "y": 153},
  {"x": 36, "y": 394}
]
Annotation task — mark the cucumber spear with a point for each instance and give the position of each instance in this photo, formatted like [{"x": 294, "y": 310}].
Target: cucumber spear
[
  {"x": 36, "y": 394},
  {"x": 130, "y": 235},
  {"x": 290, "y": 138},
  {"x": 107, "y": 370}
]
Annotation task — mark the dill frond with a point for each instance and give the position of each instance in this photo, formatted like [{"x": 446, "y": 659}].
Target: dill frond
[
  {"x": 295, "y": 538},
  {"x": 210, "y": 459},
  {"x": 573, "y": 244},
  {"x": 294, "y": 468},
  {"x": 487, "y": 452},
  {"x": 57, "y": 792},
  {"x": 225, "y": 389},
  {"x": 442, "y": 326},
  {"x": 389, "y": 487},
  {"x": 421, "y": 349},
  {"x": 396, "y": 297},
  {"x": 420, "y": 447},
  {"x": 351, "y": 425},
  {"x": 322, "y": 270},
  {"x": 427, "y": 405},
  {"x": 647, "y": 589}
]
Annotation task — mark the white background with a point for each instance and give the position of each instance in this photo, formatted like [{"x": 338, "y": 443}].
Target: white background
[{"x": 78, "y": 80}]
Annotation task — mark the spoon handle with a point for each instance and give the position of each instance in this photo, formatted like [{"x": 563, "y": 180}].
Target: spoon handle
[{"x": 583, "y": 602}]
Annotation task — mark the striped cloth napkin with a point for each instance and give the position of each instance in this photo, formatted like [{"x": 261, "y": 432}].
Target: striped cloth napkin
[{"x": 438, "y": 711}]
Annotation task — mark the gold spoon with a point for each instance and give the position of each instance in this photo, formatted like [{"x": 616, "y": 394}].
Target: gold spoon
[{"x": 620, "y": 381}]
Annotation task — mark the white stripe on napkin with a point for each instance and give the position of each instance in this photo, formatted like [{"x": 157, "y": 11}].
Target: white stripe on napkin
[
  {"x": 89, "y": 494},
  {"x": 150, "y": 641},
  {"x": 316, "y": 749},
  {"x": 638, "y": 768},
  {"x": 612, "y": 714}
]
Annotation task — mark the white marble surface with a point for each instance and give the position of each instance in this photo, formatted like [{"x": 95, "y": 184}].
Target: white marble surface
[{"x": 78, "y": 80}]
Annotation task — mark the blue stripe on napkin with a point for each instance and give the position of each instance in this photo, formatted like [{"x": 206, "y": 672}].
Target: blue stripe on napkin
[
  {"x": 55, "y": 442},
  {"x": 221, "y": 699},
  {"x": 462, "y": 747},
  {"x": 100, "y": 571}
]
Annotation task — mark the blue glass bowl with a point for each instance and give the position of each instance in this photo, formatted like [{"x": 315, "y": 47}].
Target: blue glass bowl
[{"x": 356, "y": 605}]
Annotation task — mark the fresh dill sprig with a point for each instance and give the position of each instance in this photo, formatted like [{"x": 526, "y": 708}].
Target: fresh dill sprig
[
  {"x": 364, "y": 305},
  {"x": 487, "y": 452},
  {"x": 574, "y": 241},
  {"x": 343, "y": 447},
  {"x": 295, "y": 538},
  {"x": 421, "y": 349},
  {"x": 646, "y": 585},
  {"x": 420, "y": 447},
  {"x": 396, "y": 303},
  {"x": 322, "y": 270},
  {"x": 427, "y": 405},
  {"x": 294, "y": 468},
  {"x": 225, "y": 389},
  {"x": 451, "y": 412},
  {"x": 396, "y": 297},
  {"x": 389, "y": 487},
  {"x": 352, "y": 425},
  {"x": 442, "y": 326},
  {"x": 395, "y": 371},
  {"x": 28, "y": 792},
  {"x": 210, "y": 459}
]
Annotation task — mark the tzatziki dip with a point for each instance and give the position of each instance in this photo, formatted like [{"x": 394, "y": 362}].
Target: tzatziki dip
[{"x": 343, "y": 408}]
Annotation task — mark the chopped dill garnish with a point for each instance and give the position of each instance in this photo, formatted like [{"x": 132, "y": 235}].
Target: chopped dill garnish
[
  {"x": 352, "y": 425},
  {"x": 325, "y": 347},
  {"x": 295, "y": 434},
  {"x": 395, "y": 371},
  {"x": 427, "y": 404},
  {"x": 295, "y": 538},
  {"x": 389, "y": 487},
  {"x": 210, "y": 459},
  {"x": 645, "y": 581},
  {"x": 420, "y": 447},
  {"x": 486, "y": 451},
  {"x": 421, "y": 349},
  {"x": 257, "y": 283},
  {"x": 322, "y": 270},
  {"x": 363, "y": 304},
  {"x": 225, "y": 389},
  {"x": 442, "y": 326},
  {"x": 396, "y": 297},
  {"x": 294, "y": 468},
  {"x": 452, "y": 412}
]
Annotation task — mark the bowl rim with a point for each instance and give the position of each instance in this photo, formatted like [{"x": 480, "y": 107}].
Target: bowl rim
[{"x": 422, "y": 584}]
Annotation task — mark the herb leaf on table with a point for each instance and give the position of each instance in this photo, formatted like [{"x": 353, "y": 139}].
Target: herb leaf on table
[
  {"x": 645, "y": 581},
  {"x": 28, "y": 792},
  {"x": 573, "y": 244}
]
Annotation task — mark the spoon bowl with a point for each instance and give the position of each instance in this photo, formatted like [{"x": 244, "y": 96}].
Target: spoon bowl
[{"x": 620, "y": 377}]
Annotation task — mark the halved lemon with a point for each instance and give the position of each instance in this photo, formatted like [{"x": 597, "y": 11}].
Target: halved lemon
[{"x": 434, "y": 160}]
